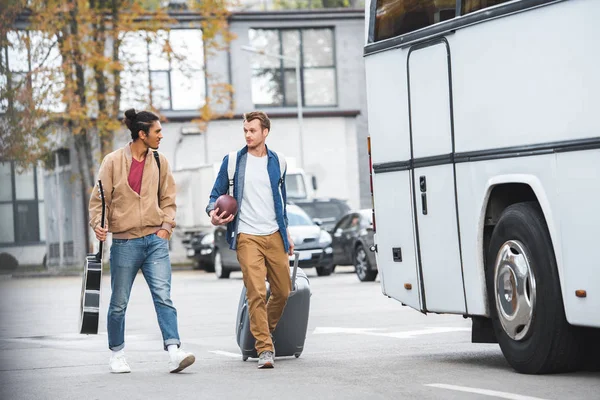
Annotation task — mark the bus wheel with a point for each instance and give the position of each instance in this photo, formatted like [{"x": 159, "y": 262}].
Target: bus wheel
[{"x": 524, "y": 294}]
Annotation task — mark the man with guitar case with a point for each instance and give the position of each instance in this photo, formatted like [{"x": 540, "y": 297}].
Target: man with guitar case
[
  {"x": 290, "y": 334},
  {"x": 140, "y": 200}
]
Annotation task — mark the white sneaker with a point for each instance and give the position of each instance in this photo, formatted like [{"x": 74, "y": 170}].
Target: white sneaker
[
  {"x": 180, "y": 361},
  {"x": 118, "y": 364}
]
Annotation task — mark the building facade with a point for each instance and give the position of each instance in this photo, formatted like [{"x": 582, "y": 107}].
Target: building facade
[{"x": 330, "y": 143}]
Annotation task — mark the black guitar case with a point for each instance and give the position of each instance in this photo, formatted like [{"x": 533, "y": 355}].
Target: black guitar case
[{"x": 90, "y": 289}]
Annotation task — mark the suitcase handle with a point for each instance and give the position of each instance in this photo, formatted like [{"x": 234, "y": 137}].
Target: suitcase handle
[{"x": 296, "y": 257}]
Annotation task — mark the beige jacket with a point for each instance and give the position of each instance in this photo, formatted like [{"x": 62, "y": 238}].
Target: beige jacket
[{"x": 128, "y": 214}]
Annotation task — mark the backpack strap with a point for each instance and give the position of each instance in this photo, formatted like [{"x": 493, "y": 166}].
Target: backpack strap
[
  {"x": 282, "y": 166},
  {"x": 156, "y": 157},
  {"x": 231, "y": 164}
]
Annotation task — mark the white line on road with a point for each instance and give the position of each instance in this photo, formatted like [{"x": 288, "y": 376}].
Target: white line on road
[
  {"x": 397, "y": 335},
  {"x": 485, "y": 392},
  {"x": 226, "y": 353}
]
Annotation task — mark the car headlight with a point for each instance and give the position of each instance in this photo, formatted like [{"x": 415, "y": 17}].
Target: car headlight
[
  {"x": 208, "y": 239},
  {"x": 324, "y": 239}
]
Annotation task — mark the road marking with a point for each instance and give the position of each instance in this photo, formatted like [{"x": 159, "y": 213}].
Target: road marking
[
  {"x": 397, "y": 335},
  {"x": 226, "y": 353},
  {"x": 485, "y": 392}
]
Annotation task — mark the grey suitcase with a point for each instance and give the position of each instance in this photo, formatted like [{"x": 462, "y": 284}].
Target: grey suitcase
[{"x": 290, "y": 333}]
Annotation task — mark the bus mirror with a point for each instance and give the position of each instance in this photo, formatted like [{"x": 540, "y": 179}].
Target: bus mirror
[{"x": 314, "y": 182}]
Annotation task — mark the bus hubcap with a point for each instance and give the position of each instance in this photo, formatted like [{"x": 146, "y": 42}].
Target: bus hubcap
[{"x": 514, "y": 287}]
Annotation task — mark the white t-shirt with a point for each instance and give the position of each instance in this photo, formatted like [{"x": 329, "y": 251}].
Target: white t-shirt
[{"x": 257, "y": 213}]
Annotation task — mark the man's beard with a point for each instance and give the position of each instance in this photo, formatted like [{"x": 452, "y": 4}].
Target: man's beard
[{"x": 148, "y": 144}]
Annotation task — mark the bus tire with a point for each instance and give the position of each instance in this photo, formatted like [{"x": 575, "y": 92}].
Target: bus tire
[{"x": 526, "y": 307}]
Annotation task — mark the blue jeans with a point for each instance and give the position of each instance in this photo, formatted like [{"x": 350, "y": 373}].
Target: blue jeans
[{"x": 127, "y": 256}]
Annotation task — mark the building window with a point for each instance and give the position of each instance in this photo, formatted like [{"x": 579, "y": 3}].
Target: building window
[
  {"x": 30, "y": 71},
  {"x": 274, "y": 79},
  {"x": 21, "y": 205},
  {"x": 165, "y": 80}
]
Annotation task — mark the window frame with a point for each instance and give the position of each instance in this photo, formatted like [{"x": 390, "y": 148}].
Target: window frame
[
  {"x": 9, "y": 73},
  {"x": 36, "y": 202},
  {"x": 169, "y": 73},
  {"x": 282, "y": 68},
  {"x": 28, "y": 74}
]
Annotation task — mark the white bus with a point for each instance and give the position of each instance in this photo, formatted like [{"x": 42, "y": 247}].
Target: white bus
[{"x": 484, "y": 124}]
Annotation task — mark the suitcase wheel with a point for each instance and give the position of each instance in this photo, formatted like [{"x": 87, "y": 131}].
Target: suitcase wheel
[
  {"x": 297, "y": 355},
  {"x": 245, "y": 358}
]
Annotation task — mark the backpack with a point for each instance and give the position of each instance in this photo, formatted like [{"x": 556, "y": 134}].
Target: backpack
[{"x": 231, "y": 164}]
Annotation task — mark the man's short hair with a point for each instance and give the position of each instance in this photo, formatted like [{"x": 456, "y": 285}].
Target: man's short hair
[{"x": 262, "y": 116}]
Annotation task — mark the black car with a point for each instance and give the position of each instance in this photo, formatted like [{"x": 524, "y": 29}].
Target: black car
[
  {"x": 324, "y": 211},
  {"x": 352, "y": 241},
  {"x": 200, "y": 247},
  {"x": 312, "y": 242}
]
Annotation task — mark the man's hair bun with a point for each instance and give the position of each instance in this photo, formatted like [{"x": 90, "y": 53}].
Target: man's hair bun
[{"x": 131, "y": 114}]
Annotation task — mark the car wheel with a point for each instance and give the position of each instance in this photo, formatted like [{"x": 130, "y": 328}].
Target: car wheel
[
  {"x": 209, "y": 267},
  {"x": 362, "y": 266},
  {"x": 220, "y": 271},
  {"x": 524, "y": 294},
  {"x": 324, "y": 271}
]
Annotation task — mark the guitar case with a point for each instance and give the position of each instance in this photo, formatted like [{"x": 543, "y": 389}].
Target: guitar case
[{"x": 92, "y": 280}]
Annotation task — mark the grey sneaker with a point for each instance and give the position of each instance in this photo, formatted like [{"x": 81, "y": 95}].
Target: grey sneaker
[{"x": 266, "y": 359}]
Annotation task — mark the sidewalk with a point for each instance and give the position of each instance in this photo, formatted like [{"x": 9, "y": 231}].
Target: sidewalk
[{"x": 40, "y": 272}]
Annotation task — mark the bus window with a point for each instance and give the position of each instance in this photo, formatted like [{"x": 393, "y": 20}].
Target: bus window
[
  {"x": 397, "y": 17},
  {"x": 470, "y": 6}
]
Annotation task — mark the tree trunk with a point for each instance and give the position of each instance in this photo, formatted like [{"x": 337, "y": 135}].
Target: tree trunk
[{"x": 82, "y": 143}]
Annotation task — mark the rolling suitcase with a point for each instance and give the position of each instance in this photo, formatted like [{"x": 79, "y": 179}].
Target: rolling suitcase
[{"x": 290, "y": 333}]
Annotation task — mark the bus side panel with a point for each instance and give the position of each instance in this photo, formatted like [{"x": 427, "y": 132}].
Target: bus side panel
[
  {"x": 387, "y": 104},
  {"x": 469, "y": 210},
  {"x": 528, "y": 78},
  {"x": 395, "y": 230},
  {"x": 578, "y": 187}
]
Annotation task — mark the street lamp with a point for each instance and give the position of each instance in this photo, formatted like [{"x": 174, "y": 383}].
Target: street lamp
[{"x": 296, "y": 60}]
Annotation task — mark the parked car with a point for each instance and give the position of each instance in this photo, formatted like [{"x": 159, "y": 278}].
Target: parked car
[
  {"x": 352, "y": 241},
  {"x": 324, "y": 211},
  {"x": 311, "y": 241},
  {"x": 200, "y": 247}
]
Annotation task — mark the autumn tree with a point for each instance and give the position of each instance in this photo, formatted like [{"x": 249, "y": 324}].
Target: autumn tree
[{"x": 70, "y": 83}]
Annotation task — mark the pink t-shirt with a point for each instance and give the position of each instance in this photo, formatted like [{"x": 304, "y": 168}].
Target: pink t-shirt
[{"x": 135, "y": 174}]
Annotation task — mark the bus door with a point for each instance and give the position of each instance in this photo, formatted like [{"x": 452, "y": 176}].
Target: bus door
[{"x": 432, "y": 147}]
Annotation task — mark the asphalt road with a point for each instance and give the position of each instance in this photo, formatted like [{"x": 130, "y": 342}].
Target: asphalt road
[{"x": 359, "y": 345}]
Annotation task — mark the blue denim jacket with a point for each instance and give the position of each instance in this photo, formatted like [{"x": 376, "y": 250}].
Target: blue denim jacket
[{"x": 222, "y": 186}]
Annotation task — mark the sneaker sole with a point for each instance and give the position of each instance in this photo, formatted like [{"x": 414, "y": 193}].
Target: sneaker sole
[
  {"x": 266, "y": 365},
  {"x": 120, "y": 372},
  {"x": 186, "y": 362}
]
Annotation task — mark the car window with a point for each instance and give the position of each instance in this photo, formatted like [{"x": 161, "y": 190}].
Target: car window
[
  {"x": 344, "y": 222},
  {"x": 354, "y": 222},
  {"x": 298, "y": 219},
  {"x": 294, "y": 186},
  {"x": 323, "y": 210}
]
